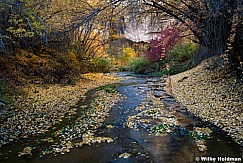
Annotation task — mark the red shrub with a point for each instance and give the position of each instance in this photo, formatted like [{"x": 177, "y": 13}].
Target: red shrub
[{"x": 161, "y": 45}]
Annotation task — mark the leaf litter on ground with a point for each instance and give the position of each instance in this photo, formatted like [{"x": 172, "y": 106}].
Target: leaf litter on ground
[
  {"x": 44, "y": 107},
  {"x": 212, "y": 93}
]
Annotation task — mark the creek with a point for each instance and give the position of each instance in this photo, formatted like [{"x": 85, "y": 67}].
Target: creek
[{"x": 139, "y": 132}]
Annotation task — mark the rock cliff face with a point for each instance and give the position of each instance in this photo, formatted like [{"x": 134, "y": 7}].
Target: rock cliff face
[
  {"x": 211, "y": 92},
  {"x": 146, "y": 29}
]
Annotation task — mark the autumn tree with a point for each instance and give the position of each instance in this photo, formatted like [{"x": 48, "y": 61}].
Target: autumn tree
[
  {"x": 49, "y": 38},
  {"x": 20, "y": 27},
  {"x": 217, "y": 24}
]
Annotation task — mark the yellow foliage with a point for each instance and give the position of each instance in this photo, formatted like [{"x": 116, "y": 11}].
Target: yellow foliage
[
  {"x": 115, "y": 36},
  {"x": 26, "y": 58},
  {"x": 127, "y": 54},
  {"x": 50, "y": 66},
  {"x": 73, "y": 57},
  {"x": 116, "y": 61}
]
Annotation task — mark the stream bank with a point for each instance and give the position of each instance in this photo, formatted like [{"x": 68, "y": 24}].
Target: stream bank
[
  {"x": 42, "y": 110},
  {"x": 213, "y": 93}
]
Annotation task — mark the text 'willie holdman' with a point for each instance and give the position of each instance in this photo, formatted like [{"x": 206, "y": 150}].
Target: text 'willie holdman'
[{"x": 221, "y": 159}]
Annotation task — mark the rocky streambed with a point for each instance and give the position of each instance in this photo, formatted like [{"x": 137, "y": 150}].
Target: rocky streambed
[{"x": 134, "y": 121}]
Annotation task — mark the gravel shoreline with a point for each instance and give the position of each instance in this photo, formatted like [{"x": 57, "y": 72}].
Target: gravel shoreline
[
  {"x": 212, "y": 94},
  {"x": 43, "y": 107}
]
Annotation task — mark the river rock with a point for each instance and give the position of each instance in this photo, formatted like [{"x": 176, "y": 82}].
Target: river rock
[{"x": 158, "y": 93}]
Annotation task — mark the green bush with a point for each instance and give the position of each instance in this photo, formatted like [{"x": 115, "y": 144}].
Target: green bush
[
  {"x": 183, "y": 52},
  {"x": 107, "y": 88},
  {"x": 181, "y": 55},
  {"x": 182, "y": 58},
  {"x": 139, "y": 65},
  {"x": 123, "y": 68},
  {"x": 103, "y": 64}
]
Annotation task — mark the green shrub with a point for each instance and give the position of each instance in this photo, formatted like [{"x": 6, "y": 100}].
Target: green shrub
[
  {"x": 139, "y": 65},
  {"x": 176, "y": 69},
  {"x": 158, "y": 73},
  {"x": 107, "y": 88},
  {"x": 123, "y": 68},
  {"x": 183, "y": 52},
  {"x": 181, "y": 55},
  {"x": 182, "y": 58},
  {"x": 103, "y": 64}
]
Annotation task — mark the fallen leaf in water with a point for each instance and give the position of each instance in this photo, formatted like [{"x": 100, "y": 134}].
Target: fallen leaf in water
[
  {"x": 110, "y": 126},
  {"x": 125, "y": 155},
  {"x": 26, "y": 151},
  {"x": 49, "y": 140}
]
